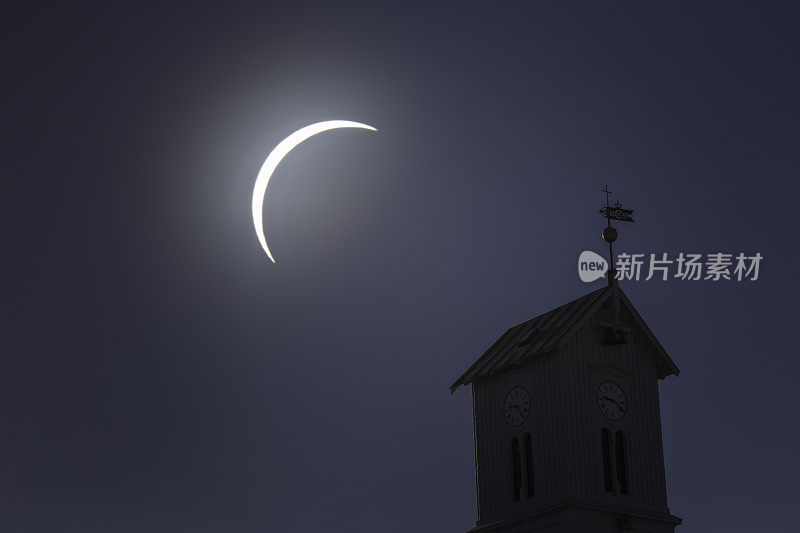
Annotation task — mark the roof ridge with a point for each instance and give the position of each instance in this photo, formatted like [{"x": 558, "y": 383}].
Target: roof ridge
[
  {"x": 560, "y": 307},
  {"x": 499, "y": 354}
]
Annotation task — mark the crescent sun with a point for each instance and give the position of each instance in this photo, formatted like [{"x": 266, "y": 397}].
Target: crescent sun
[{"x": 276, "y": 156}]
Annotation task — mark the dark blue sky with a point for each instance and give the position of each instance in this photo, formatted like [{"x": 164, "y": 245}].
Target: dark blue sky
[{"x": 159, "y": 374}]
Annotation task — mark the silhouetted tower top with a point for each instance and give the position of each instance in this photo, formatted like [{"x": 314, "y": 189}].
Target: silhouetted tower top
[{"x": 567, "y": 423}]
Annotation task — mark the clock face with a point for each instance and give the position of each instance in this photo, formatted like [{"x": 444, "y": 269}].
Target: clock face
[
  {"x": 611, "y": 400},
  {"x": 517, "y": 406}
]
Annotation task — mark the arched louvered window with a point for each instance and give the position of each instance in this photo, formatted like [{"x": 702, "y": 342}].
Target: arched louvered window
[
  {"x": 529, "y": 490},
  {"x": 517, "y": 468},
  {"x": 608, "y": 478},
  {"x": 622, "y": 472}
]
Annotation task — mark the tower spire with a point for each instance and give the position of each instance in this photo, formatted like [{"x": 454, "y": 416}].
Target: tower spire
[{"x": 610, "y": 235}]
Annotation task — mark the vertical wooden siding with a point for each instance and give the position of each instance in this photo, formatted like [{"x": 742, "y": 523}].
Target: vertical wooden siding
[{"x": 565, "y": 424}]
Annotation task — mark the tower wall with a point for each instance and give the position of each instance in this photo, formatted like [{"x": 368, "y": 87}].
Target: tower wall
[{"x": 565, "y": 424}]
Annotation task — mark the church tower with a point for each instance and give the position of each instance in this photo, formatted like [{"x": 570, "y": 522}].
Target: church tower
[{"x": 567, "y": 422}]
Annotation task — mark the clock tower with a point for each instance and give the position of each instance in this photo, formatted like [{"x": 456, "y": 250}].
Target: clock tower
[{"x": 567, "y": 422}]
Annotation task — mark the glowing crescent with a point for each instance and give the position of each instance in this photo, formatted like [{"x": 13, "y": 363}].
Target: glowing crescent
[{"x": 274, "y": 158}]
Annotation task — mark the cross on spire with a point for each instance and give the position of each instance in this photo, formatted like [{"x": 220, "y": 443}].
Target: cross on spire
[{"x": 605, "y": 190}]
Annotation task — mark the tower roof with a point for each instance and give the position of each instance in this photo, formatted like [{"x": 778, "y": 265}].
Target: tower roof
[{"x": 547, "y": 332}]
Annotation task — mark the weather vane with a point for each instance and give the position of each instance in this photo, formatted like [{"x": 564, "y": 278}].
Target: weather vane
[{"x": 615, "y": 212}]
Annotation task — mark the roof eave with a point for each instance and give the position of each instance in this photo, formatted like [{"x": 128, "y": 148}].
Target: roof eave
[{"x": 667, "y": 360}]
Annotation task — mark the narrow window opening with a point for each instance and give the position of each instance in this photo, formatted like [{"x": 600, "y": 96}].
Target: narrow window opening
[
  {"x": 529, "y": 465},
  {"x": 517, "y": 467},
  {"x": 607, "y": 477},
  {"x": 622, "y": 474}
]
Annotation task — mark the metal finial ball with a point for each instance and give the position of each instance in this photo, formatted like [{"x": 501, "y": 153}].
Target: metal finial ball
[{"x": 610, "y": 234}]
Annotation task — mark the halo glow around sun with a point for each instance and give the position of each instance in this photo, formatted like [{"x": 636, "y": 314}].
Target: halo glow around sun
[{"x": 274, "y": 159}]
